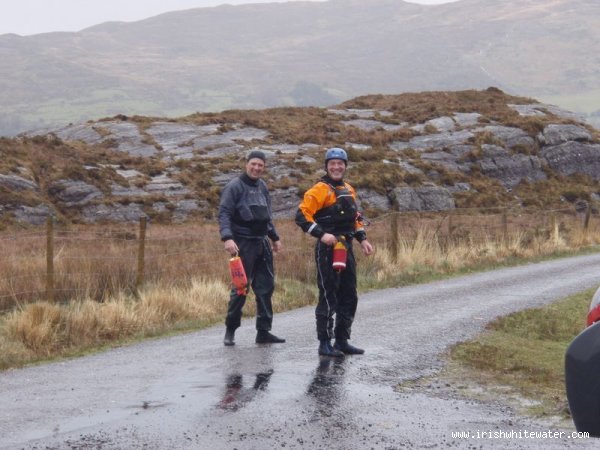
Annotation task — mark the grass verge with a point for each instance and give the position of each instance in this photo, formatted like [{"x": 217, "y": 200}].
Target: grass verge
[{"x": 522, "y": 356}]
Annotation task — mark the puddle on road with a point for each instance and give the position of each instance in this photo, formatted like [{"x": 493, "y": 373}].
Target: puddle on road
[{"x": 237, "y": 395}]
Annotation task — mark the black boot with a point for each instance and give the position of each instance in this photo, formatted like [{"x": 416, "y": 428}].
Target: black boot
[
  {"x": 229, "y": 337},
  {"x": 342, "y": 345},
  {"x": 264, "y": 337},
  {"x": 325, "y": 349}
]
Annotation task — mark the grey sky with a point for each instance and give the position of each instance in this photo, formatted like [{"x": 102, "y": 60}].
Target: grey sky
[{"x": 26, "y": 17}]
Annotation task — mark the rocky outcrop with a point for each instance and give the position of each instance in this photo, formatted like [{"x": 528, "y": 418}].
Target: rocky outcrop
[
  {"x": 509, "y": 169},
  {"x": 16, "y": 183},
  {"x": 574, "y": 157},
  {"x": 435, "y": 157},
  {"x": 75, "y": 193},
  {"x": 426, "y": 198}
]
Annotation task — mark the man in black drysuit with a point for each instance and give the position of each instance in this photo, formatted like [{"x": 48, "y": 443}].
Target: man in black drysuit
[{"x": 246, "y": 225}]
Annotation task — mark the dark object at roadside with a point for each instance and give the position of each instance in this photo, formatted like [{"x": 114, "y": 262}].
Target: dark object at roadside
[{"x": 582, "y": 374}]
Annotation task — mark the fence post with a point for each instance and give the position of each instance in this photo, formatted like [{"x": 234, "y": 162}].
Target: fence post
[
  {"x": 586, "y": 221},
  {"x": 141, "y": 248},
  {"x": 50, "y": 259},
  {"x": 394, "y": 236},
  {"x": 554, "y": 228},
  {"x": 505, "y": 226}
]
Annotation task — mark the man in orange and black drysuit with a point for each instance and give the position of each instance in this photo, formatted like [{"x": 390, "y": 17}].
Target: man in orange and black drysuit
[{"x": 329, "y": 213}]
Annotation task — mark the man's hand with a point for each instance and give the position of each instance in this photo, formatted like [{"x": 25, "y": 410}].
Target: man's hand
[
  {"x": 328, "y": 239},
  {"x": 277, "y": 246},
  {"x": 367, "y": 248},
  {"x": 231, "y": 247}
]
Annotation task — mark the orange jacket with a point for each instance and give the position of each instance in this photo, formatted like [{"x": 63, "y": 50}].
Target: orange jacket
[{"x": 319, "y": 197}]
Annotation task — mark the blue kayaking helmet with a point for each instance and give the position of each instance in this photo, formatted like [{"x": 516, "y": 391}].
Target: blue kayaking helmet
[{"x": 336, "y": 153}]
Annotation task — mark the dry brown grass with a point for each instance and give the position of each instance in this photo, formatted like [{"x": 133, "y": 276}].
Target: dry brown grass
[
  {"x": 45, "y": 329},
  {"x": 185, "y": 276}
]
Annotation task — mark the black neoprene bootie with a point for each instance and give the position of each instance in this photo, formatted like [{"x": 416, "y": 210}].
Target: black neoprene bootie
[
  {"x": 229, "y": 338},
  {"x": 325, "y": 349},
  {"x": 264, "y": 337},
  {"x": 343, "y": 346}
]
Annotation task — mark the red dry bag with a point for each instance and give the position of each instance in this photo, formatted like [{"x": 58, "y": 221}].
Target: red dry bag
[
  {"x": 238, "y": 275},
  {"x": 339, "y": 255}
]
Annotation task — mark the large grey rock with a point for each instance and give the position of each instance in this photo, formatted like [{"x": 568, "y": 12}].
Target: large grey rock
[
  {"x": 373, "y": 200},
  {"x": 229, "y": 138},
  {"x": 370, "y": 125},
  {"x": 164, "y": 185},
  {"x": 466, "y": 119},
  {"x": 74, "y": 193},
  {"x": 509, "y": 136},
  {"x": 361, "y": 113},
  {"x": 436, "y": 141},
  {"x": 84, "y": 132},
  {"x": 510, "y": 170},
  {"x": 542, "y": 109},
  {"x": 574, "y": 157},
  {"x": 441, "y": 124},
  {"x": 555, "y": 134},
  {"x": 219, "y": 151},
  {"x": 130, "y": 191},
  {"x": 128, "y": 138},
  {"x": 441, "y": 158},
  {"x": 33, "y": 215},
  {"x": 284, "y": 202},
  {"x": 426, "y": 198},
  {"x": 113, "y": 213},
  {"x": 173, "y": 135},
  {"x": 221, "y": 179},
  {"x": 176, "y": 139},
  {"x": 16, "y": 183},
  {"x": 184, "y": 209},
  {"x": 129, "y": 173}
]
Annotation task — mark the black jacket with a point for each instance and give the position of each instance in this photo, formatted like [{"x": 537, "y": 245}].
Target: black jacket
[{"x": 245, "y": 210}]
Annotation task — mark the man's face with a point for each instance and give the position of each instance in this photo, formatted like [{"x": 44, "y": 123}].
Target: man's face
[
  {"x": 336, "y": 169},
  {"x": 255, "y": 168}
]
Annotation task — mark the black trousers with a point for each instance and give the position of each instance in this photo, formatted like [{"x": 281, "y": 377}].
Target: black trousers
[
  {"x": 257, "y": 258},
  {"x": 337, "y": 294}
]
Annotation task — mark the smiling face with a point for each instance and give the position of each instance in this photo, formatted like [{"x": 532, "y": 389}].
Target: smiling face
[
  {"x": 336, "y": 169},
  {"x": 255, "y": 168}
]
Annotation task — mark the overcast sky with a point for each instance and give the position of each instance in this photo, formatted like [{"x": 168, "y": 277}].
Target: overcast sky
[{"x": 26, "y": 17}]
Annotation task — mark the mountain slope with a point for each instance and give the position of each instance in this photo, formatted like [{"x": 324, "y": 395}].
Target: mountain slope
[{"x": 313, "y": 53}]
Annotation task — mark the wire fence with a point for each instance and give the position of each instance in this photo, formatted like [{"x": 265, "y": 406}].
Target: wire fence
[{"x": 61, "y": 264}]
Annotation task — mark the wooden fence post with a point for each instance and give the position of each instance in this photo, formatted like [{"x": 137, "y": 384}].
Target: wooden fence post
[
  {"x": 141, "y": 249},
  {"x": 394, "y": 247},
  {"x": 586, "y": 221},
  {"x": 505, "y": 226},
  {"x": 554, "y": 228},
  {"x": 50, "y": 259}
]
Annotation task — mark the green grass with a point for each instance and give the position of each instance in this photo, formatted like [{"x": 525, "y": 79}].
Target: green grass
[{"x": 525, "y": 351}]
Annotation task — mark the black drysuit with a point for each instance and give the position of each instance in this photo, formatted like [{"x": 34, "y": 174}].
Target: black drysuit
[
  {"x": 245, "y": 216},
  {"x": 330, "y": 207}
]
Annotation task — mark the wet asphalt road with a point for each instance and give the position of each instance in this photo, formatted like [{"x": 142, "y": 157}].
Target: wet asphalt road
[{"x": 191, "y": 392}]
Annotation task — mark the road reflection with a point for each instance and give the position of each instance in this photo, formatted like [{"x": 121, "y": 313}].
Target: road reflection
[
  {"x": 236, "y": 395},
  {"x": 326, "y": 386}
]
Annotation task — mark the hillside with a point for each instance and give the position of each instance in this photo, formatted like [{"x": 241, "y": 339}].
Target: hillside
[
  {"x": 427, "y": 151},
  {"x": 266, "y": 55}
]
